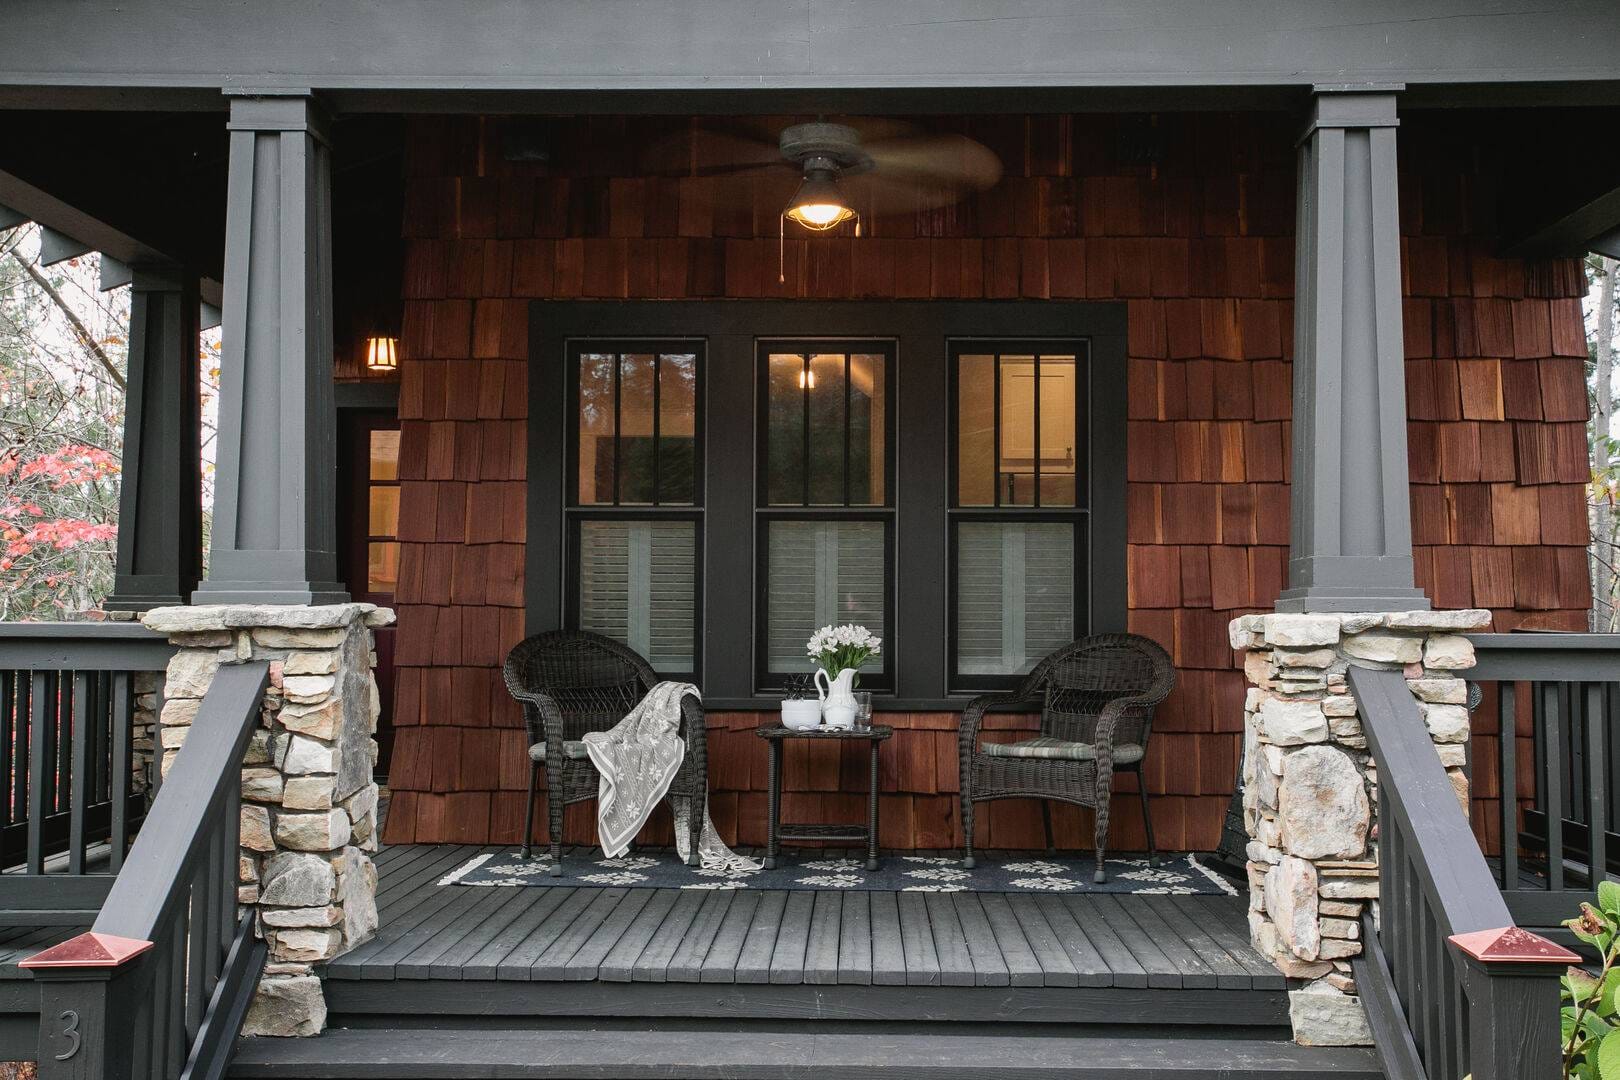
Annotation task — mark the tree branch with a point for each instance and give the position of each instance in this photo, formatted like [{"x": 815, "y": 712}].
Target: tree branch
[{"x": 83, "y": 333}]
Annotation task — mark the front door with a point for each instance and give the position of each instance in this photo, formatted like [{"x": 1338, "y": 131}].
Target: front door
[{"x": 368, "y": 507}]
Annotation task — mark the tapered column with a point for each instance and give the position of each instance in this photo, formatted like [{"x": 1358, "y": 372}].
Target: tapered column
[
  {"x": 160, "y": 500},
  {"x": 1351, "y": 542},
  {"x": 274, "y": 532}
]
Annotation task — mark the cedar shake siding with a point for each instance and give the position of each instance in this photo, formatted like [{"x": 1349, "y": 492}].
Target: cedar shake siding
[{"x": 1198, "y": 248}]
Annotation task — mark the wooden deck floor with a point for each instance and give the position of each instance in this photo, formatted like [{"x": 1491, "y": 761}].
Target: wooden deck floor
[{"x": 560, "y": 933}]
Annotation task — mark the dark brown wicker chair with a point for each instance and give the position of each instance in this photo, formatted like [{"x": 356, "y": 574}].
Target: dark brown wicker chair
[
  {"x": 1096, "y": 698},
  {"x": 571, "y": 682}
]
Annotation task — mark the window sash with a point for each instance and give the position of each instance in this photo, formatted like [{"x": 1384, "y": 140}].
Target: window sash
[
  {"x": 1024, "y": 583},
  {"x": 617, "y": 587},
  {"x": 813, "y": 491},
  {"x": 1000, "y": 353},
  {"x": 775, "y": 640},
  {"x": 614, "y": 449}
]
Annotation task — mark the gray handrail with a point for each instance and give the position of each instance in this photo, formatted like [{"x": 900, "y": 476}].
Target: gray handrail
[
  {"x": 82, "y": 646},
  {"x": 1546, "y": 657},
  {"x": 157, "y": 989},
  {"x": 1448, "y": 977}
]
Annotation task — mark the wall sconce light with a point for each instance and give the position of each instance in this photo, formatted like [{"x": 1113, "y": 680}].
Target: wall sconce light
[{"x": 382, "y": 353}]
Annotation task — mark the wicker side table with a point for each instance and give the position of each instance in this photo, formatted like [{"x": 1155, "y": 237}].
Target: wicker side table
[{"x": 776, "y": 735}]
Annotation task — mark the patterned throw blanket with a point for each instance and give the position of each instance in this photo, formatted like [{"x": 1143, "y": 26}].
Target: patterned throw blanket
[{"x": 638, "y": 759}]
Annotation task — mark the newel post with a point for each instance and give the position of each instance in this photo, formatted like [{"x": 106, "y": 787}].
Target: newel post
[
  {"x": 90, "y": 988},
  {"x": 1513, "y": 999}
]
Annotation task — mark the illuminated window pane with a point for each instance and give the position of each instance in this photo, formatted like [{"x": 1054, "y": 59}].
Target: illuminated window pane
[
  {"x": 384, "y": 455},
  {"x": 382, "y": 566},
  {"x": 1059, "y": 439},
  {"x": 384, "y": 512},
  {"x": 596, "y": 427},
  {"x": 1017, "y": 476},
  {"x": 867, "y": 430},
  {"x": 976, "y": 431}
]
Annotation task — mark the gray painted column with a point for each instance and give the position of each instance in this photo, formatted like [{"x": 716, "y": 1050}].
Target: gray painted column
[
  {"x": 274, "y": 534},
  {"x": 160, "y": 499},
  {"x": 1351, "y": 542}
]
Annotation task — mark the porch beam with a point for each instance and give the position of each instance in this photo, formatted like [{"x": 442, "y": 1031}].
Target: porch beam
[
  {"x": 160, "y": 500},
  {"x": 1351, "y": 529},
  {"x": 274, "y": 537}
]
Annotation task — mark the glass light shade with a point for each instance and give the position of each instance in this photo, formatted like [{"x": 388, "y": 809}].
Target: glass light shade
[
  {"x": 818, "y": 204},
  {"x": 382, "y": 353}
]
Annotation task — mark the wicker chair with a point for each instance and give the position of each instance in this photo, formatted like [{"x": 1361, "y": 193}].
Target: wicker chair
[
  {"x": 571, "y": 682},
  {"x": 1096, "y": 698}
]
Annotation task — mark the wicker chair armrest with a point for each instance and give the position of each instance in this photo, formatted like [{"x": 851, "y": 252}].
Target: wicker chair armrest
[
  {"x": 695, "y": 726},
  {"x": 973, "y": 715},
  {"x": 544, "y": 719},
  {"x": 1111, "y": 713}
]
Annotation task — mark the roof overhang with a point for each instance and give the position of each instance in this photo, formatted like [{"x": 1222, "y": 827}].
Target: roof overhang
[{"x": 893, "y": 55}]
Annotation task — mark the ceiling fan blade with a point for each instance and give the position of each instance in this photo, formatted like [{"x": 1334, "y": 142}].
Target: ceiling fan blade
[
  {"x": 950, "y": 161},
  {"x": 702, "y": 151}
]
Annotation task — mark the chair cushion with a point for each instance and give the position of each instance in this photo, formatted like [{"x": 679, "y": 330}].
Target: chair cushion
[
  {"x": 572, "y": 748},
  {"x": 1047, "y": 747}
]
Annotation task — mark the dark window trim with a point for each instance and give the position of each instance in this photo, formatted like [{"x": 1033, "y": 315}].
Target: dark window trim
[
  {"x": 767, "y": 681},
  {"x": 921, "y": 329},
  {"x": 1078, "y": 515},
  {"x": 630, "y": 516}
]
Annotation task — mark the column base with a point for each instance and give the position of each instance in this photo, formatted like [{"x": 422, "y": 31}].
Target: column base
[
  {"x": 1328, "y": 599},
  {"x": 302, "y": 593}
]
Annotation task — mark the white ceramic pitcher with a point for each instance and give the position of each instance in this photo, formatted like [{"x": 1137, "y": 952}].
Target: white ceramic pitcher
[{"x": 837, "y": 698}]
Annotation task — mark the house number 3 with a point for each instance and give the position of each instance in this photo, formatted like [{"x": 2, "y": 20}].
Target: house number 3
[{"x": 70, "y": 1031}]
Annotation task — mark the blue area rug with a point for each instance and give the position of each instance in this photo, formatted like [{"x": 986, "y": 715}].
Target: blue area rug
[{"x": 1177, "y": 874}]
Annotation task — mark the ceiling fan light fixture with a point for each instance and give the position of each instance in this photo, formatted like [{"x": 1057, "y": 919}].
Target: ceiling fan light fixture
[{"x": 818, "y": 204}]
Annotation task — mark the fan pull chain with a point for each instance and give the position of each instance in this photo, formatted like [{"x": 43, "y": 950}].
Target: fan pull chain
[{"x": 781, "y": 248}]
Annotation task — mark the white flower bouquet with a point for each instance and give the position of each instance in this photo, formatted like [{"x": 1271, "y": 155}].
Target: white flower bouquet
[{"x": 838, "y": 647}]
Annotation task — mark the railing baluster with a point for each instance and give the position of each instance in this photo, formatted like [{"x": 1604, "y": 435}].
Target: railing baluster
[
  {"x": 79, "y": 779},
  {"x": 1508, "y": 735},
  {"x": 1596, "y": 794},
  {"x": 1553, "y": 781},
  {"x": 198, "y": 960},
  {"x": 122, "y": 712},
  {"x": 179, "y": 1025},
  {"x": 61, "y": 757},
  {"x": 8, "y": 732},
  {"x": 22, "y": 757},
  {"x": 43, "y": 722}
]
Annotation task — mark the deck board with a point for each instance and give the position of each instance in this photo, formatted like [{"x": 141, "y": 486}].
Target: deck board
[{"x": 870, "y": 940}]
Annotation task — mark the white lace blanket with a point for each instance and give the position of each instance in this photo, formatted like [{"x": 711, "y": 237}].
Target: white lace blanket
[{"x": 638, "y": 759}]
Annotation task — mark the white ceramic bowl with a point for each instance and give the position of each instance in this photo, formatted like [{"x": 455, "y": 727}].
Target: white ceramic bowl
[{"x": 801, "y": 714}]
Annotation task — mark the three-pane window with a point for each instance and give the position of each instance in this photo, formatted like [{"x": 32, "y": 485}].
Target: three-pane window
[
  {"x": 1017, "y": 519},
  {"x": 825, "y": 530},
  {"x": 635, "y": 525}
]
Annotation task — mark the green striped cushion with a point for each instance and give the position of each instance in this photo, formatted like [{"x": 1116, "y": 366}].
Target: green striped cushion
[
  {"x": 1047, "y": 747},
  {"x": 571, "y": 749}
]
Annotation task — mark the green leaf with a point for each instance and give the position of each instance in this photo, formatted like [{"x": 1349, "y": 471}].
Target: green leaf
[
  {"x": 1608, "y": 894},
  {"x": 1608, "y": 1058},
  {"x": 1611, "y": 986}
]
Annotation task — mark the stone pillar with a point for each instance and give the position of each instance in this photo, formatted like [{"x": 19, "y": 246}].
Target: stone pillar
[
  {"x": 160, "y": 498},
  {"x": 309, "y": 803},
  {"x": 274, "y": 538},
  {"x": 1351, "y": 542},
  {"x": 1310, "y": 798}
]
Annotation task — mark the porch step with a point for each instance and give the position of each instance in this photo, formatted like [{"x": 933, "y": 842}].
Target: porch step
[{"x": 381, "y": 1054}]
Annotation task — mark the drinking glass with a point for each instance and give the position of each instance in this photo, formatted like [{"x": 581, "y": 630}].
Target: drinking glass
[{"x": 863, "y": 709}]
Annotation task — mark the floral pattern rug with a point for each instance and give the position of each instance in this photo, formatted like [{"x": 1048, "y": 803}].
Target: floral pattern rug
[{"x": 1178, "y": 874}]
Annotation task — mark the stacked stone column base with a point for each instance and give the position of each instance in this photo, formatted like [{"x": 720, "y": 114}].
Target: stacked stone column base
[
  {"x": 1310, "y": 794},
  {"x": 309, "y": 803}
]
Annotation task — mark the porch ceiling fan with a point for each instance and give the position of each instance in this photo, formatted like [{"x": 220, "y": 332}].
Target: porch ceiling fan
[{"x": 849, "y": 167}]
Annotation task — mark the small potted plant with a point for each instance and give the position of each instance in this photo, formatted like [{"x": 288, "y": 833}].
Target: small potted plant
[{"x": 840, "y": 651}]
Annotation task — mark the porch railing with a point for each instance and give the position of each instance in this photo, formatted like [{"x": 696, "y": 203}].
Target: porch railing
[
  {"x": 158, "y": 987},
  {"x": 1451, "y": 986},
  {"x": 69, "y": 796},
  {"x": 1555, "y": 699}
]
